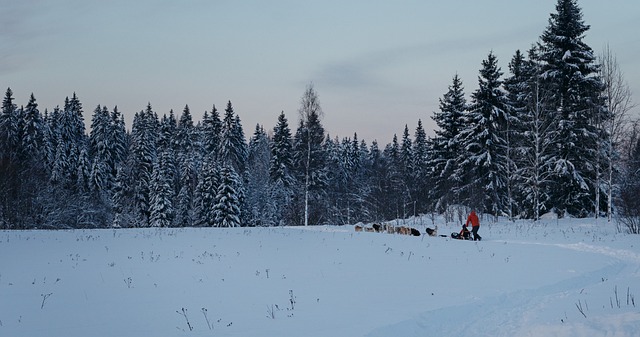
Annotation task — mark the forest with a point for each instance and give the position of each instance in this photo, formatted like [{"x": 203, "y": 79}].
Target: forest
[{"x": 553, "y": 134}]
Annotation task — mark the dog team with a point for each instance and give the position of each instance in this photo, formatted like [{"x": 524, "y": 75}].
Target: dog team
[
  {"x": 404, "y": 230},
  {"x": 464, "y": 234}
]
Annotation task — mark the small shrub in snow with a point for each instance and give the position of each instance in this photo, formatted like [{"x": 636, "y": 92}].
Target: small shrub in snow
[
  {"x": 44, "y": 298},
  {"x": 184, "y": 314}
]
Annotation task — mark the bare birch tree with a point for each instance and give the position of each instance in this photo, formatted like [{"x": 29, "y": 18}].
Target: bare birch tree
[
  {"x": 619, "y": 102},
  {"x": 310, "y": 151}
]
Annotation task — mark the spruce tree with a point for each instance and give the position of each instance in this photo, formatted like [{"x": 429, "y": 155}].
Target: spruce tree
[
  {"x": 483, "y": 163},
  {"x": 406, "y": 168},
  {"x": 281, "y": 165},
  {"x": 445, "y": 147},
  {"x": 118, "y": 141},
  {"x": 229, "y": 198},
  {"x": 261, "y": 206},
  {"x": 100, "y": 142},
  {"x": 396, "y": 183},
  {"x": 211, "y": 133},
  {"x": 71, "y": 141},
  {"x": 9, "y": 128},
  {"x": 570, "y": 73},
  {"x": 141, "y": 158},
  {"x": 33, "y": 133},
  {"x": 187, "y": 158},
  {"x": 421, "y": 178},
  {"x": 161, "y": 192},
  {"x": 205, "y": 194},
  {"x": 232, "y": 149}
]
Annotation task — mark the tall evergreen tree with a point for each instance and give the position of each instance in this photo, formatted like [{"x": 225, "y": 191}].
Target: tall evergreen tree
[
  {"x": 211, "y": 132},
  {"x": 421, "y": 178},
  {"x": 33, "y": 134},
  {"x": 187, "y": 159},
  {"x": 570, "y": 73},
  {"x": 100, "y": 143},
  {"x": 161, "y": 192},
  {"x": 484, "y": 162},
  {"x": 71, "y": 142},
  {"x": 406, "y": 168},
  {"x": 261, "y": 206},
  {"x": 206, "y": 193},
  {"x": 397, "y": 186},
  {"x": 232, "y": 150},
  {"x": 230, "y": 196},
  {"x": 445, "y": 146},
  {"x": 9, "y": 129},
  {"x": 281, "y": 168},
  {"x": 119, "y": 142},
  {"x": 281, "y": 153},
  {"x": 141, "y": 158},
  {"x": 377, "y": 199}
]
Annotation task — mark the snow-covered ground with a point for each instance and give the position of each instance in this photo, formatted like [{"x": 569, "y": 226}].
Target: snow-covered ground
[{"x": 523, "y": 279}]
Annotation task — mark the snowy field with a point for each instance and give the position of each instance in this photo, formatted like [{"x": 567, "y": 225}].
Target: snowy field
[{"x": 555, "y": 278}]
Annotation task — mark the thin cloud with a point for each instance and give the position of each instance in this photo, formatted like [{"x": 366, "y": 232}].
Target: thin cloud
[
  {"x": 366, "y": 70},
  {"x": 16, "y": 31}
]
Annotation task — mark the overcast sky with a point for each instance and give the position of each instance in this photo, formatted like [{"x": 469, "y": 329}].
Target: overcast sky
[{"x": 376, "y": 65}]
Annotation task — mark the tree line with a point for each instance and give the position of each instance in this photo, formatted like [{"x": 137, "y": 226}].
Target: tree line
[{"x": 553, "y": 135}]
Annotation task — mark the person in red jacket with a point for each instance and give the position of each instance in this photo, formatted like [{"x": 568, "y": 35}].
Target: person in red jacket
[{"x": 475, "y": 225}]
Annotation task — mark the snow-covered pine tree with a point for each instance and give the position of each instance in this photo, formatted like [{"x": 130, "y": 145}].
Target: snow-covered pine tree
[
  {"x": 570, "y": 73},
  {"x": 119, "y": 141},
  {"x": 445, "y": 147},
  {"x": 119, "y": 200},
  {"x": 211, "y": 133},
  {"x": 406, "y": 168},
  {"x": 339, "y": 180},
  {"x": 9, "y": 130},
  {"x": 142, "y": 155},
  {"x": 421, "y": 178},
  {"x": 205, "y": 195},
  {"x": 33, "y": 133},
  {"x": 396, "y": 189},
  {"x": 281, "y": 167},
  {"x": 167, "y": 132},
  {"x": 261, "y": 207},
  {"x": 83, "y": 174},
  {"x": 23, "y": 171},
  {"x": 232, "y": 149},
  {"x": 360, "y": 180},
  {"x": 184, "y": 140},
  {"x": 187, "y": 158},
  {"x": 406, "y": 154},
  {"x": 48, "y": 152},
  {"x": 100, "y": 152},
  {"x": 378, "y": 166},
  {"x": 161, "y": 191},
  {"x": 229, "y": 199},
  {"x": 71, "y": 140},
  {"x": 484, "y": 161}
]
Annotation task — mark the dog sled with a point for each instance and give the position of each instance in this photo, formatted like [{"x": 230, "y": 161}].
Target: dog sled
[{"x": 464, "y": 234}]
